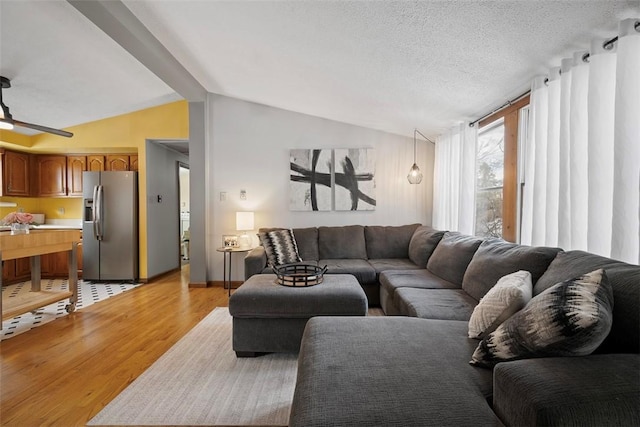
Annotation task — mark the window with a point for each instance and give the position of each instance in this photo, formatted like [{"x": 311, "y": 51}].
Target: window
[
  {"x": 497, "y": 188},
  {"x": 489, "y": 180}
]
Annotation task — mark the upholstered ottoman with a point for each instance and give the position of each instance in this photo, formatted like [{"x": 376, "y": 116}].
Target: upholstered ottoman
[{"x": 270, "y": 318}]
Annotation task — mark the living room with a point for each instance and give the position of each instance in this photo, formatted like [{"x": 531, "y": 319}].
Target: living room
[{"x": 292, "y": 76}]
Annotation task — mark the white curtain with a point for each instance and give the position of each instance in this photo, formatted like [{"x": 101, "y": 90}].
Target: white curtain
[
  {"x": 454, "y": 180},
  {"x": 582, "y": 170}
]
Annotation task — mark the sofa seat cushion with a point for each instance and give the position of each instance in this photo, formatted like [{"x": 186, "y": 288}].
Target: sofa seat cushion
[
  {"x": 496, "y": 258},
  {"x": 625, "y": 282},
  {"x": 388, "y": 242},
  {"x": 360, "y": 268},
  {"x": 269, "y": 270},
  {"x": 391, "y": 280},
  {"x": 563, "y": 391},
  {"x": 445, "y": 304},
  {"x": 386, "y": 371},
  {"x": 342, "y": 242},
  {"x": 452, "y": 256},
  {"x": 381, "y": 265}
]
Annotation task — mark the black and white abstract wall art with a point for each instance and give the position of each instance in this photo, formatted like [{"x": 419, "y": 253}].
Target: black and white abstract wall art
[
  {"x": 310, "y": 180},
  {"x": 355, "y": 185},
  {"x": 341, "y": 179}
]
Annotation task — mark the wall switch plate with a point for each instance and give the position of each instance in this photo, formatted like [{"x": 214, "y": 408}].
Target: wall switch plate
[
  {"x": 243, "y": 194},
  {"x": 223, "y": 196},
  {"x": 61, "y": 211}
]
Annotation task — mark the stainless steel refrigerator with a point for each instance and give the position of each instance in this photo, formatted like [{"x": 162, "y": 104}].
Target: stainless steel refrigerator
[{"x": 110, "y": 226}]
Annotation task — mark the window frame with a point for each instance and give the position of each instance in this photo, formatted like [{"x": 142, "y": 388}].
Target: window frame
[{"x": 510, "y": 191}]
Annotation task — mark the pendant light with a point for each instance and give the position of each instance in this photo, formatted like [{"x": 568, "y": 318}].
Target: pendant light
[{"x": 415, "y": 176}]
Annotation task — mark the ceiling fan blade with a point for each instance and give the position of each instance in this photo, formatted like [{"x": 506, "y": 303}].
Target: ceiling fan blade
[{"x": 43, "y": 128}]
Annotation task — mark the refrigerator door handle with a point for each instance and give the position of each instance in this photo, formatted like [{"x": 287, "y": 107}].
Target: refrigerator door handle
[
  {"x": 94, "y": 213},
  {"x": 98, "y": 222}
]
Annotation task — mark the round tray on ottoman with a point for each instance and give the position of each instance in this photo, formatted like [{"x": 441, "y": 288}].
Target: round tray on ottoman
[{"x": 299, "y": 275}]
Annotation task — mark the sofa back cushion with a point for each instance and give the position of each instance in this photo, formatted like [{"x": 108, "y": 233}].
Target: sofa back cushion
[
  {"x": 625, "y": 282},
  {"x": 342, "y": 242},
  {"x": 306, "y": 240},
  {"x": 496, "y": 258},
  {"x": 388, "y": 242},
  {"x": 452, "y": 256},
  {"x": 423, "y": 243}
]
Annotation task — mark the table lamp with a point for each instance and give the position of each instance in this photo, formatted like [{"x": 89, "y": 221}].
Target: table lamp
[{"x": 244, "y": 223}]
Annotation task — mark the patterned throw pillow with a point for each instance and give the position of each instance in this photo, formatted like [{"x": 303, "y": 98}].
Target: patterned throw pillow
[
  {"x": 504, "y": 299},
  {"x": 280, "y": 247},
  {"x": 571, "y": 318}
]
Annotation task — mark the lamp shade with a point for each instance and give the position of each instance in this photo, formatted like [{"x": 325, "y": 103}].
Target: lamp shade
[
  {"x": 415, "y": 176},
  {"x": 244, "y": 221}
]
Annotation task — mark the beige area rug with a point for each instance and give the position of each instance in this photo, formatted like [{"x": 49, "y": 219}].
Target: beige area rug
[{"x": 199, "y": 381}]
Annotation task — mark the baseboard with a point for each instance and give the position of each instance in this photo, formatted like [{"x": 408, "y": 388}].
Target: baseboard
[
  {"x": 220, "y": 283},
  {"x": 158, "y": 276}
]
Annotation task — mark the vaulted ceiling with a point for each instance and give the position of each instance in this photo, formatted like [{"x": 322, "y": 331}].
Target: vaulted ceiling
[{"x": 387, "y": 65}]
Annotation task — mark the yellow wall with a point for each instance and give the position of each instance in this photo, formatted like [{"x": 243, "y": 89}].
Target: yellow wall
[{"x": 126, "y": 133}]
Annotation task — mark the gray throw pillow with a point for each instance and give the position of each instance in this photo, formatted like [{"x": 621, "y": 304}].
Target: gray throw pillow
[
  {"x": 280, "y": 247},
  {"x": 571, "y": 318}
]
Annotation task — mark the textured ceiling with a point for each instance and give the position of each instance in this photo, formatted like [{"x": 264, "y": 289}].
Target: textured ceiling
[{"x": 388, "y": 65}]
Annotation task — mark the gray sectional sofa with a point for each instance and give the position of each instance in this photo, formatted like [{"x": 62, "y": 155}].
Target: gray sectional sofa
[{"x": 411, "y": 368}]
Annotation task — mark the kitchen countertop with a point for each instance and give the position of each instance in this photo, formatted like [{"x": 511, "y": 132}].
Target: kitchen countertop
[{"x": 46, "y": 227}]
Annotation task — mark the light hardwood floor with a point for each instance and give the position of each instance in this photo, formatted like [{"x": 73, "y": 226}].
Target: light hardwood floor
[{"x": 66, "y": 371}]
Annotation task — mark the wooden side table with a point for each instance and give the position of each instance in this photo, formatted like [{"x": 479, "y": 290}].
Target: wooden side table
[{"x": 226, "y": 277}]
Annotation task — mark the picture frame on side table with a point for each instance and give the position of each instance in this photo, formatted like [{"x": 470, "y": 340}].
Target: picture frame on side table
[{"x": 229, "y": 241}]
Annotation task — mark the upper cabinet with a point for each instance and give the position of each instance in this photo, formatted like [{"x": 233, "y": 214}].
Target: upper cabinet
[
  {"x": 54, "y": 175},
  {"x": 95, "y": 163},
  {"x": 117, "y": 162},
  {"x": 15, "y": 173},
  {"x": 75, "y": 166},
  {"x": 51, "y": 175}
]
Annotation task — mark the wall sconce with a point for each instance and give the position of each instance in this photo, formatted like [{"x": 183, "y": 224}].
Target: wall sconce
[
  {"x": 415, "y": 176},
  {"x": 244, "y": 223}
]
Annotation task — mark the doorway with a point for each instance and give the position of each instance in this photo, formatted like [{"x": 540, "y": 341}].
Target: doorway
[{"x": 183, "y": 196}]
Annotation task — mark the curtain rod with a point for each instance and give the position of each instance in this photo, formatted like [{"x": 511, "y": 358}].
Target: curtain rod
[
  {"x": 505, "y": 105},
  {"x": 607, "y": 45}
]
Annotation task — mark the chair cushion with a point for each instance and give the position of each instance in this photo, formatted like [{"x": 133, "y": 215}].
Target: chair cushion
[
  {"x": 388, "y": 242},
  {"x": 571, "y": 318},
  {"x": 452, "y": 256}
]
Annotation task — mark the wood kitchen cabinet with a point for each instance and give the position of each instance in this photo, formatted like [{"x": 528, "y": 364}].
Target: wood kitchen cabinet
[
  {"x": 57, "y": 264},
  {"x": 54, "y": 265},
  {"x": 75, "y": 166},
  {"x": 15, "y": 175},
  {"x": 117, "y": 162},
  {"x": 95, "y": 163},
  {"x": 16, "y": 270},
  {"x": 51, "y": 175},
  {"x": 133, "y": 163}
]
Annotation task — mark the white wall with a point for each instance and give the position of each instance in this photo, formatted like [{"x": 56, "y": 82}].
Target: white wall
[{"x": 250, "y": 151}]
